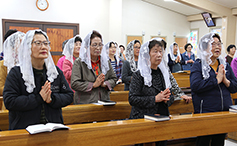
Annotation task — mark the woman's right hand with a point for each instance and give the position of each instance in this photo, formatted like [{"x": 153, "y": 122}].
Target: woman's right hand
[
  {"x": 99, "y": 80},
  {"x": 163, "y": 95}
]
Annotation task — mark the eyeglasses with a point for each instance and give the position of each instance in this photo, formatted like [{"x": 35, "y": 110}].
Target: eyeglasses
[
  {"x": 39, "y": 43},
  {"x": 216, "y": 44},
  {"x": 97, "y": 45},
  {"x": 137, "y": 47}
]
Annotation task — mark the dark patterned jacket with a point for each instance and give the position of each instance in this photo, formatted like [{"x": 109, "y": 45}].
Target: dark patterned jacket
[
  {"x": 176, "y": 91},
  {"x": 142, "y": 97}
]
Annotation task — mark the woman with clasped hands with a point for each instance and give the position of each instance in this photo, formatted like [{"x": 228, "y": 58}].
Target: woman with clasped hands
[
  {"x": 36, "y": 90},
  {"x": 92, "y": 74},
  {"x": 148, "y": 93},
  {"x": 212, "y": 80}
]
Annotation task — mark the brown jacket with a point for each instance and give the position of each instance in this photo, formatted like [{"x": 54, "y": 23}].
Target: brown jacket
[{"x": 82, "y": 80}]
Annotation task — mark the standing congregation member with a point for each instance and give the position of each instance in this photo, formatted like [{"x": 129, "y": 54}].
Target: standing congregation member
[
  {"x": 212, "y": 80},
  {"x": 188, "y": 57},
  {"x": 36, "y": 90},
  {"x": 231, "y": 49},
  {"x": 93, "y": 76},
  {"x": 234, "y": 64},
  {"x": 122, "y": 55},
  {"x": 10, "y": 49},
  {"x": 61, "y": 60},
  {"x": 71, "y": 52},
  {"x": 150, "y": 86},
  {"x": 113, "y": 52},
  {"x": 175, "y": 59},
  {"x": 130, "y": 65},
  {"x": 8, "y": 33}
]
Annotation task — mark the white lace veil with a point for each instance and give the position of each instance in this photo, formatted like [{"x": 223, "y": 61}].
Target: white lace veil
[
  {"x": 10, "y": 49},
  {"x": 144, "y": 65},
  {"x": 26, "y": 65},
  {"x": 204, "y": 54},
  {"x": 85, "y": 55},
  {"x": 106, "y": 47},
  {"x": 68, "y": 48},
  {"x": 129, "y": 54},
  {"x": 172, "y": 52},
  {"x": 164, "y": 66}
]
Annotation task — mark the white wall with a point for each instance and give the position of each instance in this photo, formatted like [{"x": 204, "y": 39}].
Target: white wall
[
  {"x": 141, "y": 16},
  {"x": 90, "y": 14},
  {"x": 202, "y": 27},
  {"x": 114, "y": 19}
]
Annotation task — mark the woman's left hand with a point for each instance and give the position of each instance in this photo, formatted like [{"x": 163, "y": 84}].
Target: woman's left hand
[
  {"x": 103, "y": 84},
  {"x": 225, "y": 80},
  {"x": 186, "y": 98}
]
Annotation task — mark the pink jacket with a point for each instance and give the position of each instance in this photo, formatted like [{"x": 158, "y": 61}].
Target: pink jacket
[
  {"x": 60, "y": 62},
  {"x": 234, "y": 66},
  {"x": 67, "y": 70}
]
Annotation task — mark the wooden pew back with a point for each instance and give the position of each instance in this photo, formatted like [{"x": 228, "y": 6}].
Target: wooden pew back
[
  {"x": 119, "y": 87},
  {"x": 128, "y": 132},
  {"x": 84, "y": 113},
  {"x": 119, "y": 96},
  {"x": 1, "y": 102},
  {"x": 182, "y": 79},
  {"x": 181, "y": 107},
  {"x": 75, "y": 114}
]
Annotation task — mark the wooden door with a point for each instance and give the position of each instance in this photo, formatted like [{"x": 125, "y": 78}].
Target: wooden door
[
  {"x": 57, "y": 35},
  {"x": 181, "y": 41},
  {"x": 131, "y": 38},
  {"x": 57, "y": 32}
]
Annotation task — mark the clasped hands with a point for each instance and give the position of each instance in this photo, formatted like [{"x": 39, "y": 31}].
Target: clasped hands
[
  {"x": 221, "y": 77},
  {"x": 45, "y": 92},
  {"x": 99, "y": 81},
  {"x": 163, "y": 96},
  {"x": 177, "y": 59}
]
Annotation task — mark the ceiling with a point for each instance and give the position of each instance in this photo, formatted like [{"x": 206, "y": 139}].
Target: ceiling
[
  {"x": 187, "y": 10},
  {"x": 227, "y": 3}
]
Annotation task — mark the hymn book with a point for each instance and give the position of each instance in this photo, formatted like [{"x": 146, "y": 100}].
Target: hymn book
[
  {"x": 233, "y": 108},
  {"x": 157, "y": 118},
  {"x": 49, "y": 127},
  {"x": 106, "y": 102}
]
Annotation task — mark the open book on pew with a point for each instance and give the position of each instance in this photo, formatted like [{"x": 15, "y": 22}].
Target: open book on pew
[
  {"x": 49, "y": 127},
  {"x": 106, "y": 102},
  {"x": 157, "y": 117},
  {"x": 233, "y": 108}
]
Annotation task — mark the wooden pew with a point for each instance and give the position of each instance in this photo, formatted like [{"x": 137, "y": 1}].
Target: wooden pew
[
  {"x": 84, "y": 113},
  {"x": 181, "y": 107},
  {"x": 128, "y": 132},
  {"x": 1, "y": 102},
  {"x": 182, "y": 79},
  {"x": 119, "y": 87},
  {"x": 75, "y": 114},
  {"x": 119, "y": 96},
  {"x": 233, "y": 135}
]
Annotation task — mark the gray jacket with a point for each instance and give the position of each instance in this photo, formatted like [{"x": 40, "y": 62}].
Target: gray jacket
[{"x": 82, "y": 80}]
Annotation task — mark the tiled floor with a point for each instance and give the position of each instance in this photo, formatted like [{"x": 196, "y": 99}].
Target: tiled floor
[{"x": 230, "y": 142}]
